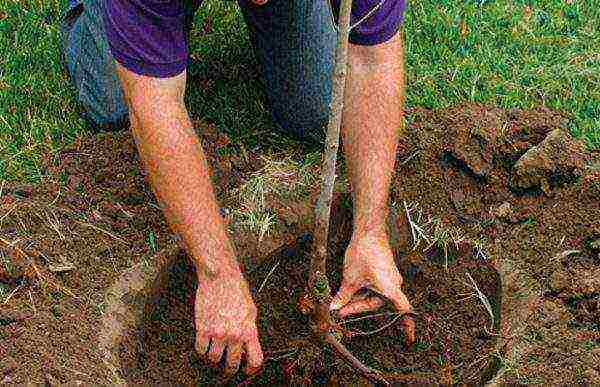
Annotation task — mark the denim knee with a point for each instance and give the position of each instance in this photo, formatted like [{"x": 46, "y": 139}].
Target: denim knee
[
  {"x": 294, "y": 42},
  {"x": 304, "y": 121},
  {"x": 91, "y": 67}
]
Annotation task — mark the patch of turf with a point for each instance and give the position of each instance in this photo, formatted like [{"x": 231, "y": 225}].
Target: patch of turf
[
  {"x": 507, "y": 53},
  {"x": 37, "y": 109}
]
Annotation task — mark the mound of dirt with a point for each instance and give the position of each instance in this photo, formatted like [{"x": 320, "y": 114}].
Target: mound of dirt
[
  {"x": 64, "y": 242},
  {"x": 470, "y": 186},
  {"x": 498, "y": 137},
  {"x": 537, "y": 155}
]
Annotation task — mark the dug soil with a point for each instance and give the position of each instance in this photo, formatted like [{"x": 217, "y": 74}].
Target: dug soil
[
  {"x": 455, "y": 333},
  {"x": 489, "y": 183}
]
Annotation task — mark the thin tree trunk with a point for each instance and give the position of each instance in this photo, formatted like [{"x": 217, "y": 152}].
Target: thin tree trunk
[
  {"x": 318, "y": 268},
  {"x": 318, "y": 284}
]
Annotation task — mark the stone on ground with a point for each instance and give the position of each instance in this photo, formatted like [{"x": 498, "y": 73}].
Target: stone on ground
[{"x": 558, "y": 158}]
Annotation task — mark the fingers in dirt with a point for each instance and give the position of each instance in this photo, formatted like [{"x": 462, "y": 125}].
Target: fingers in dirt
[
  {"x": 401, "y": 302},
  {"x": 407, "y": 322},
  {"x": 234, "y": 356},
  {"x": 360, "y": 306},
  {"x": 344, "y": 295},
  {"x": 254, "y": 355},
  {"x": 216, "y": 351}
]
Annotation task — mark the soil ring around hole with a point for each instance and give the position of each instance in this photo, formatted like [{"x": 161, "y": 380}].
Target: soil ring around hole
[
  {"x": 133, "y": 298},
  {"x": 125, "y": 303}
]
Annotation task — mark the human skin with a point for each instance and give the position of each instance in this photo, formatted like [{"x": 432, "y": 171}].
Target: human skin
[
  {"x": 373, "y": 108},
  {"x": 178, "y": 174}
]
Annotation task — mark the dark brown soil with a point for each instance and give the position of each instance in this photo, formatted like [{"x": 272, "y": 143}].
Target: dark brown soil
[
  {"x": 454, "y": 330},
  {"x": 66, "y": 240},
  {"x": 561, "y": 343}
]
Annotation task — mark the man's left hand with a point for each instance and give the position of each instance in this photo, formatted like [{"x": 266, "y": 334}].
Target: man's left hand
[{"x": 369, "y": 264}]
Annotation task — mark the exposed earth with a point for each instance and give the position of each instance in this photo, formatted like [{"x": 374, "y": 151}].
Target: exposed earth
[{"x": 492, "y": 186}]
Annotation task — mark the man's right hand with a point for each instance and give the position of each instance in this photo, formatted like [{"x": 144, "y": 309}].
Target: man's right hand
[
  {"x": 226, "y": 323},
  {"x": 179, "y": 176}
]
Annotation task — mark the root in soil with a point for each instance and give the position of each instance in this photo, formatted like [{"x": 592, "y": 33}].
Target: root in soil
[{"x": 452, "y": 345}]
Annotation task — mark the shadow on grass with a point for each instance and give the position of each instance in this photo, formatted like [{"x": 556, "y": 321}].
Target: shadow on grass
[
  {"x": 229, "y": 93},
  {"x": 224, "y": 85}
]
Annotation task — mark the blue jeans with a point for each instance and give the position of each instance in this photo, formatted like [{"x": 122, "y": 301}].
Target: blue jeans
[{"x": 294, "y": 48}]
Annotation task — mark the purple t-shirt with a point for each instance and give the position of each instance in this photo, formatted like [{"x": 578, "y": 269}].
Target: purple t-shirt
[{"x": 148, "y": 37}]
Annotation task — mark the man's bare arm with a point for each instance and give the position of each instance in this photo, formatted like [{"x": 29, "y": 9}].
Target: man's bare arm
[
  {"x": 177, "y": 168},
  {"x": 372, "y": 119},
  {"x": 179, "y": 175}
]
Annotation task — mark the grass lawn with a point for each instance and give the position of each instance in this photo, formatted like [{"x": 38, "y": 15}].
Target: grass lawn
[{"x": 505, "y": 53}]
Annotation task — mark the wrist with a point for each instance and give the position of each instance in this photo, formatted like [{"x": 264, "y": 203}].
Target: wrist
[
  {"x": 224, "y": 271},
  {"x": 369, "y": 230},
  {"x": 216, "y": 266},
  {"x": 370, "y": 224}
]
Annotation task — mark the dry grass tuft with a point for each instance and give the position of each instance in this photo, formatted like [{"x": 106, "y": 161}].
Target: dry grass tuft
[{"x": 277, "y": 180}]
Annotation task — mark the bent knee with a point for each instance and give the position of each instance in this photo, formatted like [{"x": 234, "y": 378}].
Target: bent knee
[{"x": 305, "y": 120}]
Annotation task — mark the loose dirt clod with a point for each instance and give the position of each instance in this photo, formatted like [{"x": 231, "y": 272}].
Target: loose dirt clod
[
  {"x": 503, "y": 211},
  {"x": 556, "y": 160},
  {"x": 473, "y": 150}
]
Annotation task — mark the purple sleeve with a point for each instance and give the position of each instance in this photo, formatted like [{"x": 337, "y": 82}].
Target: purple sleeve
[
  {"x": 384, "y": 20},
  {"x": 147, "y": 36}
]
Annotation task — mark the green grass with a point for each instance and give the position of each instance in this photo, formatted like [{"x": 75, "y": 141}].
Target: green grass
[
  {"x": 510, "y": 54},
  {"x": 506, "y": 53}
]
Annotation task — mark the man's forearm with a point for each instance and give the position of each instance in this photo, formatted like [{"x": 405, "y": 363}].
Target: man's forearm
[
  {"x": 371, "y": 124},
  {"x": 179, "y": 175}
]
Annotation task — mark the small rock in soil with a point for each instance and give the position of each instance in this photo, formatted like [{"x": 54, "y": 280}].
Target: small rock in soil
[
  {"x": 472, "y": 150},
  {"x": 557, "y": 159},
  {"x": 61, "y": 267}
]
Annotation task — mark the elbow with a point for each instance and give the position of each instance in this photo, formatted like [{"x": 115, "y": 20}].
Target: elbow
[
  {"x": 385, "y": 53},
  {"x": 152, "y": 101}
]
